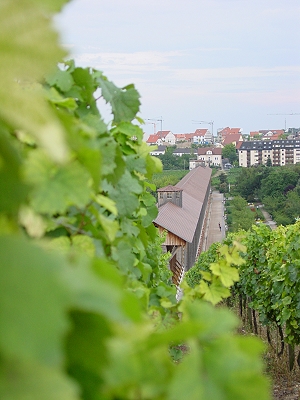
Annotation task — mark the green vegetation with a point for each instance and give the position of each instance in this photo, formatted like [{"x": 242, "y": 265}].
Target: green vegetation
[
  {"x": 268, "y": 278},
  {"x": 229, "y": 151},
  {"x": 173, "y": 162},
  {"x": 87, "y": 309},
  {"x": 168, "y": 177},
  {"x": 278, "y": 188}
]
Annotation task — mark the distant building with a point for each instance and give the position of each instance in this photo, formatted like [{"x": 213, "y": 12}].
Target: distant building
[
  {"x": 207, "y": 157},
  {"x": 223, "y": 132},
  {"x": 158, "y": 151},
  {"x": 280, "y": 152},
  {"x": 185, "y": 150},
  {"x": 162, "y": 137}
]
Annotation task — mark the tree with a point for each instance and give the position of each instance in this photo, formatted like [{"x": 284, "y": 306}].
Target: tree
[
  {"x": 229, "y": 151},
  {"x": 269, "y": 162}
]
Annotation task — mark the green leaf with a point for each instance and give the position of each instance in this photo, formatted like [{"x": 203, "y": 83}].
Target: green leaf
[
  {"x": 55, "y": 98},
  {"x": 56, "y": 187},
  {"x": 125, "y": 102},
  {"x": 86, "y": 350},
  {"x": 187, "y": 382},
  {"x": 227, "y": 274},
  {"x": 62, "y": 79},
  {"x": 215, "y": 292},
  {"x": 107, "y": 203},
  {"x": 27, "y": 379},
  {"x": 13, "y": 190},
  {"x": 26, "y": 35},
  {"x": 84, "y": 244},
  {"x": 33, "y": 301},
  {"x": 109, "y": 226}
]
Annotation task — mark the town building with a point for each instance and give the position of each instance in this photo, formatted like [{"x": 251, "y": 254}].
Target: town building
[
  {"x": 280, "y": 152},
  {"x": 159, "y": 150},
  {"x": 161, "y": 137},
  {"x": 207, "y": 157},
  {"x": 181, "y": 214},
  {"x": 185, "y": 150}
]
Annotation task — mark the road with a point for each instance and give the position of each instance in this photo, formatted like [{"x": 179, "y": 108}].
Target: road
[{"x": 215, "y": 217}]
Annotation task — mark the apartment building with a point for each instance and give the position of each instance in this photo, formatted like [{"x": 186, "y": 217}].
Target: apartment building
[{"x": 280, "y": 152}]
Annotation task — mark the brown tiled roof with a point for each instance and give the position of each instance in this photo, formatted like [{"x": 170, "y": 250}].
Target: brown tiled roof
[
  {"x": 200, "y": 132},
  {"x": 153, "y": 138},
  {"x": 215, "y": 150},
  {"x": 162, "y": 134},
  {"x": 182, "y": 221},
  {"x": 232, "y": 138}
]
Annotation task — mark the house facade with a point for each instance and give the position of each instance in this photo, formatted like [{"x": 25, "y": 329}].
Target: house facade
[
  {"x": 181, "y": 213},
  {"x": 207, "y": 157},
  {"x": 280, "y": 152},
  {"x": 162, "y": 137}
]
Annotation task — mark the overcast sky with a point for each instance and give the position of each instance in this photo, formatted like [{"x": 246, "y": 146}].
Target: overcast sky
[{"x": 232, "y": 62}]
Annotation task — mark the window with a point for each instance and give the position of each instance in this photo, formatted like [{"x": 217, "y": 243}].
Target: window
[
  {"x": 169, "y": 195},
  {"x": 161, "y": 196},
  {"x": 177, "y": 195}
]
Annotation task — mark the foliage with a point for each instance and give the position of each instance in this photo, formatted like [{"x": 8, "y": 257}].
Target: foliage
[
  {"x": 214, "y": 273},
  {"x": 276, "y": 187},
  {"x": 270, "y": 275},
  {"x": 241, "y": 215},
  {"x": 229, "y": 151},
  {"x": 86, "y": 307},
  {"x": 171, "y": 161},
  {"x": 168, "y": 177},
  {"x": 249, "y": 181},
  {"x": 193, "y": 276},
  {"x": 279, "y": 181}
]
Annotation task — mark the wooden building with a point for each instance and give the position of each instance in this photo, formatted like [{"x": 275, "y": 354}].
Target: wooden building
[{"x": 181, "y": 213}]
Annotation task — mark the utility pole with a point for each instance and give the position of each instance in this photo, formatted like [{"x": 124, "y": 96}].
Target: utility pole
[
  {"x": 209, "y": 123},
  {"x": 285, "y": 118}
]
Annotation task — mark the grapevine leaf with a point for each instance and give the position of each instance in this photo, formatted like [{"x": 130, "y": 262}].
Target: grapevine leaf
[
  {"x": 26, "y": 35},
  {"x": 187, "y": 382},
  {"x": 31, "y": 328},
  {"x": 86, "y": 350},
  {"x": 107, "y": 203},
  {"x": 56, "y": 187},
  {"x": 12, "y": 190},
  {"x": 125, "y": 102},
  {"x": 227, "y": 274},
  {"x": 110, "y": 226},
  {"x": 215, "y": 292},
  {"x": 24, "y": 379},
  {"x": 84, "y": 244},
  {"x": 57, "y": 99},
  {"x": 62, "y": 79}
]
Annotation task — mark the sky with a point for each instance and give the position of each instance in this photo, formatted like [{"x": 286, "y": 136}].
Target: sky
[{"x": 196, "y": 63}]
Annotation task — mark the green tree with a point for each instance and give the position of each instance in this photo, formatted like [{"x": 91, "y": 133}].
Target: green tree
[
  {"x": 269, "y": 162},
  {"x": 229, "y": 151},
  {"x": 279, "y": 181},
  {"x": 241, "y": 215},
  {"x": 249, "y": 181}
]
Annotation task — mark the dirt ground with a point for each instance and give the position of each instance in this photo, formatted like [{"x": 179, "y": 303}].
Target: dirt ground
[{"x": 286, "y": 390}]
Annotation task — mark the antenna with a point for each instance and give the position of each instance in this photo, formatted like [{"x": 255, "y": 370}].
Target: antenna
[{"x": 285, "y": 118}]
